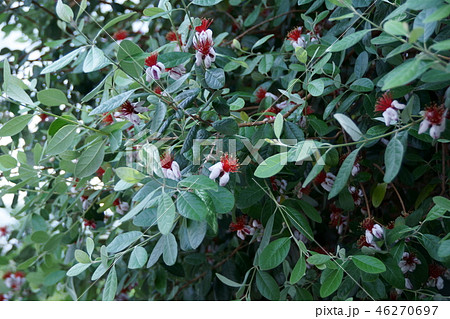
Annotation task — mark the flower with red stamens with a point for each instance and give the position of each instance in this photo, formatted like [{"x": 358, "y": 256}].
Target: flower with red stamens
[
  {"x": 90, "y": 223},
  {"x": 308, "y": 110},
  {"x": 155, "y": 68},
  {"x": 120, "y": 35},
  {"x": 170, "y": 168},
  {"x": 296, "y": 37},
  {"x": 121, "y": 207},
  {"x": 435, "y": 116},
  {"x": 241, "y": 228},
  {"x": 372, "y": 229},
  {"x": 176, "y": 72},
  {"x": 14, "y": 280},
  {"x": 130, "y": 111},
  {"x": 300, "y": 190},
  {"x": 100, "y": 172},
  {"x": 273, "y": 110},
  {"x": 222, "y": 169},
  {"x": 408, "y": 262},
  {"x": 362, "y": 242},
  {"x": 43, "y": 117},
  {"x": 435, "y": 273},
  {"x": 108, "y": 118},
  {"x": 337, "y": 219},
  {"x": 262, "y": 93},
  {"x": 203, "y": 44},
  {"x": 326, "y": 180},
  {"x": 175, "y": 37},
  {"x": 357, "y": 195},
  {"x": 389, "y": 107},
  {"x": 204, "y": 26},
  {"x": 157, "y": 89}
]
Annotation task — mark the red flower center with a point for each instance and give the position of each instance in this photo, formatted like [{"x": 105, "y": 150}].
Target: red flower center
[
  {"x": 100, "y": 172},
  {"x": 260, "y": 94},
  {"x": 120, "y": 35},
  {"x": 204, "y": 26},
  {"x": 368, "y": 224},
  {"x": 434, "y": 114},
  {"x": 3, "y": 231},
  {"x": 384, "y": 102},
  {"x": 320, "y": 178},
  {"x": 272, "y": 109},
  {"x": 116, "y": 202},
  {"x": 151, "y": 60},
  {"x": 362, "y": 242},
  {"x": 203, "y": 46},
  {"x": 295, "y": 34},
  {"x": 229, "y": 164},
  {"x": 166, "y": 161},
  {"x": 410, "y": 259},
  {"x": 239, "y": 224},
  {"x": 108, "y": 119},
  {"x": 435, "y": 270},
  {"x": 173, "y": 36},
  {"x": 127, "y": 108}
]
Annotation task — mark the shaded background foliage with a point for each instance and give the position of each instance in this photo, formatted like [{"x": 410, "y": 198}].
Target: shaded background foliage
[{"x": 314, "y": 252}]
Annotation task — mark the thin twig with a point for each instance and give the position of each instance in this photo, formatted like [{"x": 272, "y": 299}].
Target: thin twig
[{"x": 393, "y": 186}]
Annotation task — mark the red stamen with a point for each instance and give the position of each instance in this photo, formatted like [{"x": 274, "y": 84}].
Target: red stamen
[
  {"x": 120, "y": 35},
  {"x": 260, "y": 94},
  {"x": 151, "y": 60},
  {"x": 204, "y": 26},
  {"x": 295, "y": 34},
  {"x": 384, "y": 102},
  {"x": 230, "y": 164},
  {"x": 435, "y": 114}
]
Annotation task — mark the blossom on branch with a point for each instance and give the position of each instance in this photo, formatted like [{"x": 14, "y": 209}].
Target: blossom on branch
[
  {"x": 435, "y": 116},
  {"x": 389, "y": 107}
]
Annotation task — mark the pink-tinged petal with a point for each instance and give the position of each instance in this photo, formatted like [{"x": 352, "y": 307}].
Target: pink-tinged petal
[
  {"x": 377, "y": 231},
  {"x": 198, "y": 58},
  {"x": 435, "y": 132},
  {"x": 408, "y": 284},
  {"x": 326, "y": 186},
  {"x": 207, "y": 61},
  {"x": 439, "y": 283},
  {"x": 224, "y": 179},
  {"x": 148, "y": 74},
  {"x": 160, "y": 66},
  {"x": 176, "y": 170},
  {"x": 390, "y": 115},
  {"x": 240, "y": 234},
  {"x": 369, "y": 236},
  {"x": 424, "y": 125},
  {"x": 398, "y": 106},
  {"x": 272, "y": 96},
  {"x": 171, "y": 175},
  {"x": 213, "y": 167},
  {"x": 355, "y": 169}
]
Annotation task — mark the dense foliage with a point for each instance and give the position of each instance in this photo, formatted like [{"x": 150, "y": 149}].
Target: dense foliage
[{"x": 225, "y": 149}]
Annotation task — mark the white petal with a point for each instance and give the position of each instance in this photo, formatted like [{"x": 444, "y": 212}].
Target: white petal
[
  {"x": 207, "y": 61},
  {"x": 224, "y": 179},
  {"x": 272, "y": 96},
  {"x": 213, "y": 167},
  {"x": 215, "y": 172},
  {"x": 198, "y": 58},
  {"x": 369, "y": 237},
  {"x": 435, "y": 131},
  {"x": 408, "y": 284},
  {"x": 439, "y": 283},
  {"x": 397, "y": 105},
  {"x": 424, "y": 125},
  {"x": 170, "y": 174},
  {"x": 377, "y": 231}
]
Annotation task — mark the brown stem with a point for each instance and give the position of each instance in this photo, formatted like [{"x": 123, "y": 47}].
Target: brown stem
[{"x": 366, "y": 200}]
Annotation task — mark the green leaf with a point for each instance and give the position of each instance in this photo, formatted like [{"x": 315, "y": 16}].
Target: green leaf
[
  {"x": 123, "y": 241},
  {"x": 261, "y": 41},
  {"x": 318, "y": 259},
  {"x": 301, "y": 54},
  {"x": 342, "y": 3},
  {"x": 173, "y": 59},
  {"x": 112, "y": 103},
  {"x": 299, "y": 270},
  {"x": 62, "y": 140},
  {"x": 149, "y": 12},
  {"x": 444, "y": 249},
  {"x": 349, "y": 126},
  {"x": 393, "y": 274},
  {"x": 129, "y": 175},
  {"x": 369, "y": 264},
  {"x": 89, "y": 245},
  {"x": 64, "y": 12},
  {"x": 238, "y": 104},
  {"x": 348, "y": 41},
  {"x": 267, "y": 286},
  {"x": 82, "y": 257},
  {"x": 100, "y": 271},
  {"x": 7, "y": 162},
  {"x": 228, "y": 282},
  {"x": 206, "y": 3},
  {"x": 309, "y": 211},
  {"x": 271, "y": 165},
  {"x": 94, "y": 60},
  {"x": 166, "y": 214},
  {"x": 191, "y": 206},
  {"x": 198, "y": 182},
  {"x": 278, "y": 125},
  {"x": 77, "y": 269},
  {"x": 90, "y": 160},
  {"x": 393, "y": 157},
  {"x": 54, "y": 277},
  {"x": 362, "y": 85},
  {"x": 226, "y": 126},
  {"x": 170, "y": 249},
  {"x": 62, "y": 62},
  {"x": 441, "y": 13},
  {"x": 316, "y": 87},
  {"x": 403, "y": 74},
  {"x": 378, "y": 194},
  {"x": 117, "y": 20},
  {"x": 40, "y": 237},
  {"x": 300, "y": 222},
  {"x": 441, "y": 46},
  {"x": 15, "y": 125},
  {"x": 396, "y": 27},
  {"x": 442, "y": 202},
  {"x": 266, "y": 63},
  {"x": 215, "y": 78},
  {"x": 222, "y": 199},
  {"x": 343, "y": 174},
  {"x": 156, "y": 253},
  {"x": 138, "y": 258},
  {"x": 274, "y": 253},
  {"x": 52, "y": 97},
  {"x": 109, "y": 292},
  {"x": 331, "y": 282}
]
